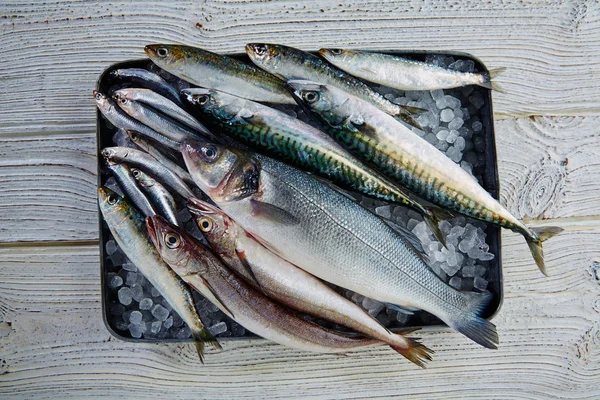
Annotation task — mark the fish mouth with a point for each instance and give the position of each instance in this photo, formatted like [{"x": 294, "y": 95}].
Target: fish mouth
[
  {"x": 151, "y": 227},
  {"x": 150, "y": 50},
  {"x": 258, "y": 49}
]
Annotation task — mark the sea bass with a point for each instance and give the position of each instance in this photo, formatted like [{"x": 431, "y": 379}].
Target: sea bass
[
  {"x": 205, "y": 272},
  {"x": 400, "y": 154},
  {"x": 129, "y": 230},
  {"x": 330, "y": 236},
  {"x": 289, "y": 284},
  {"x": 290, "y": 63}
]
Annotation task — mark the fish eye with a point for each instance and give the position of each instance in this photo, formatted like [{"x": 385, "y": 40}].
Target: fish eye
[
  {"x": 112, "y": 199},
  {"x": 336, "y": 52},
  {"x": 260, "y": 49},
  {"x": 136, "y": 173},
  {"x": 310, "y": 97},
  {"x": 99, "y": 96},
  {"x": 172, "y": 240},
  {"x": 205, "y": 224},
  {"x": 210, "y": 153},
  {"x": 123, "y": 100},
  {"x": 202, "y": 99},
  {"x": 162, "y": 52},
  {"x": 106, "y": 153}
]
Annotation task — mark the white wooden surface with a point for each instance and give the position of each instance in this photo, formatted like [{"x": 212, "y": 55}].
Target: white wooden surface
[{"x": 53, "y": 343}]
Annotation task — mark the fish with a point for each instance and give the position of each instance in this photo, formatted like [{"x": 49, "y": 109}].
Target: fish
[
  {"x": 163, "y": 105},
  {"x": 164, "y": 159},
  {"x": 129, "y": 230},
  {"x": 215, "y": 71},
  {"x": 276, "y": 134},
  {"x": 289, "y": 63},
  {"x": 154, "y": 120},
  {"x": 123, "y": 121},
  {"x": 150, "y": 80},
  {"x": 159, "y": 196},
  {"x": 330, "y": 236},
  {"x": 148, "y": 164},
  {"x": 408, "y": 159},
  {"x": 124, "y": 177},
  {"x": 403, "y": 73},
  {"x": 290, "y": 285},
  {"x": 206, "y": 273}
]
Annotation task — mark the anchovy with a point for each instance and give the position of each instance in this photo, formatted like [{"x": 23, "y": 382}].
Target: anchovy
[
  {"x": 215, "y": 71},
  {"x": 159, "y": 196},
  {"x": 150, "y": 80},
  {"x": 124, "y": 177},
  {"x": 128, "y": 228}
]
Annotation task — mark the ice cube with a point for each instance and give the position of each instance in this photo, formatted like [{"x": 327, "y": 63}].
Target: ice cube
[
  {"x": 168, "y": 322},
  {"x": 450, "y": 267},
  {"x": 135, "y": 317},
  {"x": 477, "y": 101},
  {"x": 373, "y": 307},
  {"x": 155, "y": 327},
  {"x": 401, "y": 317},
  {"x": 480, "y": 283},
  {"x": 177, "y": 321},
  {"x": 137, "y": 330},
  {"x": 114, "y": 280},
  {"x": 477, "y": 126},
  {"x": 384, "y": 211},
  {"x": 182, "y": 333},
  {"x": 466, "y": 244},
  {"x": 446, "y": 115},
  {"x": 468, "y": 271},
  {"x": 131, "y": 279},
  {"x": 111, "y": 247},
  {"x": 118, "y": 258},
  {"x": 455, "y": 282},
  {"x": 460, "y": 143},
  {"x": 154, "y": 292},
  {"x": 137, "y": 292},
  {"x": 475, "y": 252},
  {"x": 486, "y": 257},
  {"x": 218, "y": 328},
  {"x": 459, "y": 113},
  {"x": 456, "y": 123},
  {"x": 125, "y": 296},
  {"x": 443, "y": 134},
  {"x": 128, "y": 266},
  {"x": 159, "y": 312},
  {"x": 437, "y": 94},
  {"x": 452, "y": 102},
  {"x": 452, "y": 136},
  {"x": 466, "y": 90},
  {"x": 146, "y": 303}
]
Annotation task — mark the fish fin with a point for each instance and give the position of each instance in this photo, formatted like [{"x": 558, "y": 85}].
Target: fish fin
[
  {"x": 412, "y": 239},
  {"x": 488, "y": 79},
  {"x": 406, "y": 116},
  {"x": 403, "y": 310},
  {"x": 535, "y": 240},
  {"x": 214, "y": 293},
  {"x": 244, "y": 260},
  {"x": 266, "y": 245},
  {"x": 416, "y": 352},
  {"x": 201, "y": 337},
  {"x": 272, "y": 213},
  {"x": 432, "y": 217},
  {"x": 333, "y": 186},
  {"x": 474, "y": 327},
  {"x": 404, "y": 330},
  {"x": 414, "y": 110}
]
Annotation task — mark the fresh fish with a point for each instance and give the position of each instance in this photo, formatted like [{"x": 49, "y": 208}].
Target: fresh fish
[
  {"x": 123, "y": 175},
  {"x": 205, "y": 272},
  {"x": 279, "y": 135},
  {"x": 159, "y": 123},
  {"x": 330, "y": 236},
  {"x": 128, "y": 228},
  {"x": 289, "y": 63},
  {"x": 123, "y": 121},
  {"x": 288, "y": 284},
  {"x": 148, "y": 164},
  {"x": 159, "y": 196},
  {"x": 150, "y": 80},
  {"x": 404, "y": 73},
  {"x": 410, "y": 160},
  {"x": 163, "y": 105},
  {"x": 215, "y": 71},
  {"x": 164, "y": 159}
]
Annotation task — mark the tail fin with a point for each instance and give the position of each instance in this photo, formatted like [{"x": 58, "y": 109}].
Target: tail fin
[
  {"x": 488, "y": 79},
  {"x": 534, "y": 241},
  {"x": 432, "y": 218},
  {"x": 200, "y": 338},
  {"x": 469, "y": 323},
  {"x": 406, "y": 115},
  {"x": 415, "y": 352}
]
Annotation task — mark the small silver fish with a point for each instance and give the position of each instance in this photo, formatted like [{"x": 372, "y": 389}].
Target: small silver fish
[
  {"x": 148, "y": 79},
  {"x": 124, "y": 177},
  {"x": 158, "y": 195}
]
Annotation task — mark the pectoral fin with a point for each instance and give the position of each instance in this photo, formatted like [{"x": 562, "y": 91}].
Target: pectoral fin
[
  {"x": 272, "y": 213},
  {"x": 244, "y": 260},
  {"x": 214, "y": 293}
]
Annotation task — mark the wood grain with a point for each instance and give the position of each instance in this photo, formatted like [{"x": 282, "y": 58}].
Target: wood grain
[
  {"x": 54, "y": 51},
  {"x": 54, "y": 345},
  {"x": 548, "y": 168}
]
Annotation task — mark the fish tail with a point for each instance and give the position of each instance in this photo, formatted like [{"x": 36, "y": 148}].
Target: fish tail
[
  {"x": 488, "y": 79},
  {"x": 470, "y": 323},
  {"x": 535, "y": 237},
  {"x": 201, "y": 337},
  {"x": 406, "y": 114},
  {"x": 433, "y": 215},
  {"x": 415, "y": 352}
]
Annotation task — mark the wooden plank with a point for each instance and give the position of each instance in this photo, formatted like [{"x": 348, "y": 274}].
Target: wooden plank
[
  {"x": 54, "y": 51},
  {"x": 53, "y": 343},
  {"x": 548, "y": 169}
]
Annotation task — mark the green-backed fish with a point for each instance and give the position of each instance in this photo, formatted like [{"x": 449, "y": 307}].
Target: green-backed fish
[
  {"x": 290, "y": 63},
  {"x": 410, "y": 160},
  {"x": 404, "y": 73},
  {"x": 129, "y": 230},
  {"x": 330, "y": 236},
  {"x": 276, "y": 134},
  {"x": 211, "y": 70},
  {"x": 290, "y": 285}
]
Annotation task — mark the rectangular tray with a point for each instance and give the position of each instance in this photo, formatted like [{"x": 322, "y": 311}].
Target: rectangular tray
[{"x": 488, "y": 177}]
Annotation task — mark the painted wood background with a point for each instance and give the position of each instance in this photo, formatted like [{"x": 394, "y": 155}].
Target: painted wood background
[{"x": 53, "y": 343}]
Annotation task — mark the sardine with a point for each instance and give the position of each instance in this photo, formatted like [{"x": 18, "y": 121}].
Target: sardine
[
  {"x": 150, "y": 165},
  {"x": 159, "y": 196},
  {"x": 276, "y": 134},
  {"x": 123, "y": 121},
  {"x": 410, "y": 160},
  {"x": 129, "y": 230},
  {"x": 163, "y": 105},
  {"x": 124, "y": 177},
  {"x": 288, "y": 284},
  {"x": 330, "y": 236},
  {"x": 215, "y": 71},
  {"x": 149, "y": 80},
  {"x": 205, "y": 272},
  {"x": 404, "y": 73},
  {"x": 290, "y": 63}
]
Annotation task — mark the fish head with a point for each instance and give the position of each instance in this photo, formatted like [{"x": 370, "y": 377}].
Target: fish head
[
  {"x": 216, "y": 226},
  {"x": 176, "y": 247},
  {"x": 102, "y": 101},
  {"x": 121, "y": 99},
  {"x": 136, "y": 138},
  {"x": 142, "y": 178},
  {"x": 220, "y": 105},
  {"x": 323, "y": 101},
  {"x": 225, "y": 174},
  {"x": 340, "y": 56},
  {"x": 267, "y": 56},
  {"x": 168, "y": 56},
  {"x": 114, "y": 208},
  {"x": 115, "y": 154}
]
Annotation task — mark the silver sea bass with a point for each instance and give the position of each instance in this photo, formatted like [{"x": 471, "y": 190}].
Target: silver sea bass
[{"x": 329, "y": 235}]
